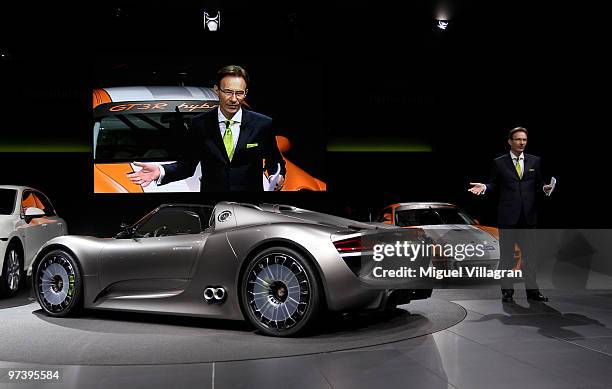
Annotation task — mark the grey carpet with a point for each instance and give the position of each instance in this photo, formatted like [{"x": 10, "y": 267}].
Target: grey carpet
[{"x": 119, "y": 338}]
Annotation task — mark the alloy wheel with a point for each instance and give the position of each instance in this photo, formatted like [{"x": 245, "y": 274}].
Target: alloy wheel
[
  {"x": 56, "y": 279},
  {"x": 279, "y": 291}
]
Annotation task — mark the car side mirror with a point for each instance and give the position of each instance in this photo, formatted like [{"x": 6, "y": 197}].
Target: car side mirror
[
  {"x": 126, "y": 231},
  {"x": 32, "y": 213},
  {"x": 387, "y": 218},
  {"x": 477, "y": 222},
  {"x": 283, "y": 143}
]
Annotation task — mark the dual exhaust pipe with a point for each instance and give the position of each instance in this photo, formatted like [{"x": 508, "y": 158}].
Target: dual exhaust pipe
[{"x": 214, "y": 294}]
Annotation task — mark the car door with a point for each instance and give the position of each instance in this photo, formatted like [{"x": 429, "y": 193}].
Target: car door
[
  {"x": 35, "y": 231},
  {"x": 159, "y": 254},
  {"x": 55, "y": 226}
]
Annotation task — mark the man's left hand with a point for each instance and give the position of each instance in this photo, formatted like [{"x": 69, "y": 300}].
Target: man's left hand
[{"x": 548, "y": 189}]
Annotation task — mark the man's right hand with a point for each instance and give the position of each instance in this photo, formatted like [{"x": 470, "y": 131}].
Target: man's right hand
[
  {"x": 148, "y": 173},
  {"x": 477, "y": 188}
]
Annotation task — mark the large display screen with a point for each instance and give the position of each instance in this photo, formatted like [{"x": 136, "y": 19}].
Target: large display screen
[{"x": 135, "y": 126}]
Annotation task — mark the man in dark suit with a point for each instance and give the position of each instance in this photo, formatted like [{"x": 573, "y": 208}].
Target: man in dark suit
[
  {"x": 230, "y": 142},
  {"x": 517, "y": 177}
]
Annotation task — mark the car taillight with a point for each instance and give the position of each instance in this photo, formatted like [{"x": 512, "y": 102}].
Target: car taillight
[
  {"x": 351, "y": 251},
  {"x": 351, "y": 245}
]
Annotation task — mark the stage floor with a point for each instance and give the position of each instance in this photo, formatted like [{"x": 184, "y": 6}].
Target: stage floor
[
  {"x": 122, "y": 338},
  {"x": 566, "y": 343}
]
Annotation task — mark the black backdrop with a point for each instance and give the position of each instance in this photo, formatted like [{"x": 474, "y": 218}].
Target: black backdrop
[{"x": 339, "y": 71}]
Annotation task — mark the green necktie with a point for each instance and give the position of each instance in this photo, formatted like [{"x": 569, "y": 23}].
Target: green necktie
[
  {"x": 228, "y": 141},
  {"x": 518, "y": 168}
]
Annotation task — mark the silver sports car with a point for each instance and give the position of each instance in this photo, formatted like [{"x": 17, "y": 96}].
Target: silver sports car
[{"x": 277, "y": 266}]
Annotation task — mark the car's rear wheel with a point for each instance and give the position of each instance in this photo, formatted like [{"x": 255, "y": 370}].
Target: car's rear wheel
[
  {"x": 281, "y": 293},
  {"x": 12, "y": 271},
  {"x": 58, "y": 284}
]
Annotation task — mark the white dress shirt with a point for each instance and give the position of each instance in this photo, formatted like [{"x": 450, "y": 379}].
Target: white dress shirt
[
  {"x": 237, "y": 118},
  {"x": 521, "y": 159}
]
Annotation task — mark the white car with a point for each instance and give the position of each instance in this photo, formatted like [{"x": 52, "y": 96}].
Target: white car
[{"x": 27, "y": 221}]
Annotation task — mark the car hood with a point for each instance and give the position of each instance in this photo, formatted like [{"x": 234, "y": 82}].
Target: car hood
[
  {"x": 68, "y": 239},
  {"x": 459, "y": 234},
  {"x": 76, "y": 243}
]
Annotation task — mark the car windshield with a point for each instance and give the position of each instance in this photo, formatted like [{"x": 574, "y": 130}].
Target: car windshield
[
  {"x": 141, "y": 136},
  {"x": 144, "y": 130},
  {"x": 7, "y": 201},
  {"x": 431, "y": 216},
  {"x": 170, "y": 221},
  {"x": 175, "y": 220}
]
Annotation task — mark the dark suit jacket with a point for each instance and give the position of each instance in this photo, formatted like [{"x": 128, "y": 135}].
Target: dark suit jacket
[
  {"x": 219, "y": 174},
  {"x": 516, "y": 194}
]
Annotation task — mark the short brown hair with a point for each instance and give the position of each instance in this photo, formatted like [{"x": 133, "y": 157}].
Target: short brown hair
[
  {"x": 232, "y": 70},
  {"x": 515, "y": 130}
]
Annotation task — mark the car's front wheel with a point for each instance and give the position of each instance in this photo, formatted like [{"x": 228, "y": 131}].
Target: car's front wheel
[
  {"x": 58, "y": 284},
  {"x": 12, "y": 271},
  {"x": 281, "y": 293}
]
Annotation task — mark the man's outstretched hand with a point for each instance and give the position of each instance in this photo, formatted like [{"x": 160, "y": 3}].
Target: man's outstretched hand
[
  {"x": 143, "y": 177},
  {"x": 477, "y": 188}
]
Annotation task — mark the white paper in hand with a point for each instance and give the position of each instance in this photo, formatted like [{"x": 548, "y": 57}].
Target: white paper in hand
[
  {"x": 270, "y": 183},
  {"x": 553, "y": 182}
]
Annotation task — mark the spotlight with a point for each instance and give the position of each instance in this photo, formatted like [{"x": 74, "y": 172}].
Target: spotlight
[
  {"x": 5, "y": 55},
  {"x": 212, "y": 23},
  {"x": 442, "y": 24}
]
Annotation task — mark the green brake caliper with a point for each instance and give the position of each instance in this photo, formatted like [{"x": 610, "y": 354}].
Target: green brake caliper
[{"x": 70, "y": 285}]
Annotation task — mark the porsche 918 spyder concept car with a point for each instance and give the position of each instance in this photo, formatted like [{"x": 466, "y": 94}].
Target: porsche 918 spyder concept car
[{"x": 276, "y": 266}]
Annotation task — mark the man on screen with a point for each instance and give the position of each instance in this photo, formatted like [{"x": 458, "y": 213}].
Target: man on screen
[
  {"x": 517, "y": 177},
  {"x": 230, "y": 142}
]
